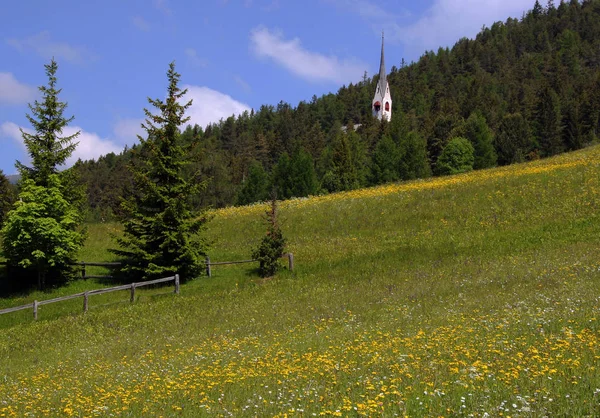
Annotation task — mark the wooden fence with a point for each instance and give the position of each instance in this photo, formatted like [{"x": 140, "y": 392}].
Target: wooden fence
[
  {"x": 209, "y": 263},
  {"x": 131, "y": 287}
]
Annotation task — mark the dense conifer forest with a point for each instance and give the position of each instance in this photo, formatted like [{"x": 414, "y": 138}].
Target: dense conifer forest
[{"x": 523, "y": 89}]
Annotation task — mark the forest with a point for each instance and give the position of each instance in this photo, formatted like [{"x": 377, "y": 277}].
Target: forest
[{"x": 523, "y": 89}]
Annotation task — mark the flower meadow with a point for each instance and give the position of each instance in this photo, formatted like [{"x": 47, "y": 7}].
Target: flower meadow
[{"x": 470, "y": 295}]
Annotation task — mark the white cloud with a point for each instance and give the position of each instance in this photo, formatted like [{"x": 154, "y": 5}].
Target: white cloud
[
  {"x": 14, "y": 92},
  {"x": 90, "y": 146},
  {"x": 45, "y": 47},
  {"x": 449, "y": 20},
  {"x": 309, "y": 65},
  {"x": 210, "y": 106},
  {"x": 443, "y": 24},
  {"x": 194, "y": 59},
  {"x": 141, "y": 23}
]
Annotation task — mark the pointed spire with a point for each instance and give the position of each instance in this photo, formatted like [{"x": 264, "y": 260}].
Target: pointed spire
[{"x": 382, "y": 74}]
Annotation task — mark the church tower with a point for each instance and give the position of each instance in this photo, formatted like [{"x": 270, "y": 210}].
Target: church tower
[{"x": 382, "y": 102}]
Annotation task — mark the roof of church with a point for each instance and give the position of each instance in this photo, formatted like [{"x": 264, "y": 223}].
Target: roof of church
[{"x": 382, "y": 74}]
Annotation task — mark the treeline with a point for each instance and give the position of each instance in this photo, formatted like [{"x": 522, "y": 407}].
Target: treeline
[{"x": 521, "y": 90}]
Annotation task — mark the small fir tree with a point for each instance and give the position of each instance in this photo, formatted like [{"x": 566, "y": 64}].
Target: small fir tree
[
  {"x": 161, "y": 232},
  {"x": 272, "y": 246},
  {"x": 42, "y": 234}
]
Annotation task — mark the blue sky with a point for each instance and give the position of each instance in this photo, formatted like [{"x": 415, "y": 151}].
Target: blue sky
[{"x": 233, "y": 55}]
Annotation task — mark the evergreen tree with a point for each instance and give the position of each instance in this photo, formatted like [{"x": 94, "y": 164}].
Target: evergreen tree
[
  {"x": 47, "y": 149},
  {"x": 572, "y": 135},
  {"x": 295, "y": 176},
  {"x": 548, "y": 122},
  {"x": 477, "y": 131},
  {"x": 514, "y": 141},
  {"x": 255, "y": 187},
  {"x": 42, "y": 234},
  {"x": 412, "y": 159},
  {"x": 160, "y": 230},
  {"x": 457, "y": 157},
  {"x": 385, "y": 162},
  {"x": 272, "y": 246}
]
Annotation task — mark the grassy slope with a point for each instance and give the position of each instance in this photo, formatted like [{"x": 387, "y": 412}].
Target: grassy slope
[{"x": 473, "y": 294}]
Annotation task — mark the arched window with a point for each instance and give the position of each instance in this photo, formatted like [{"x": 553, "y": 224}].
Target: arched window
[
  {"x": 377, "y": 106},
  {"x": 387, "y": 106}
]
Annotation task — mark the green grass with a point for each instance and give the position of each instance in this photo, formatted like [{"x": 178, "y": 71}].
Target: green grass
[{"x": 472, "y": 294}]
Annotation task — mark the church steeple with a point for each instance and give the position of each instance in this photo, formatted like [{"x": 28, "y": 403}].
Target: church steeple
[
  {"x": 382, "y": 74},
  {"x": 382, "y": 102}
]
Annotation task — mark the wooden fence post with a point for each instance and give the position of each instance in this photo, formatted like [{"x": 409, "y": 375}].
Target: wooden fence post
[
  {"x": 85, "y": 301},
  {"x": 83, "y": 269},
  {"x": 35, "y": 309},
  {"x": 208, "y": 272},
  {"x": 177, "y": 284},
  {"x": 290, "y": 261},
  {"x": 132, "y": 298}
]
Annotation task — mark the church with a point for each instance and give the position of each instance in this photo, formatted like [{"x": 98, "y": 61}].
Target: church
[{"x": 382, "y": 101}]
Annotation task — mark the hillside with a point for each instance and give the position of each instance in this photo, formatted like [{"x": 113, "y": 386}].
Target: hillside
[
  {"x": 474, "y": 294},
  {"x": 522, "y": 89}
]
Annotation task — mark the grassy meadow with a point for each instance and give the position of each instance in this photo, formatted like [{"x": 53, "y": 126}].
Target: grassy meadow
[{"x": 469, "y": 295}]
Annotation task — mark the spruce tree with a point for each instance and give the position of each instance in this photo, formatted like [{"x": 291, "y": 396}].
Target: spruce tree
[
  {"x": 42, "y": 234},
  {"x": 46, "y": 147},
  {"x": 161, "y": 232}
]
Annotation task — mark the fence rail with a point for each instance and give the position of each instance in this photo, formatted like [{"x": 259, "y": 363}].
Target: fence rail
[
  {"x": 209, "y": 263},
  {"x": 131, "y": 287}
]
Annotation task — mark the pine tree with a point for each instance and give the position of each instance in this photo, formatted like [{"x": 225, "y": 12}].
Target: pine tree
[
  {"x": 47, "y": 149},
  {"x": 42, "y": 234},
  {"x": 160, "y": 236}
]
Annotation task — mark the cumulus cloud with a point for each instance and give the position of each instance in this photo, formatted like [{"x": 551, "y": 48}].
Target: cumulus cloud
[
  {"x": 43, "y": 45},
  {"x": 449, "y": 20},
  {"x": 444, "y": 23},
  {"x": 13, "y": 92},
  {"x": 90, "y": 147},
  {"x": 127, "y": 130},
  {"x": 306, "y": 64},
  {"x": 210, "y": 106}
]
